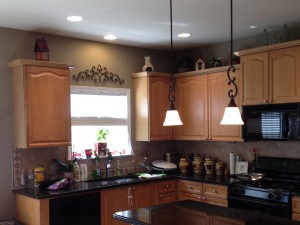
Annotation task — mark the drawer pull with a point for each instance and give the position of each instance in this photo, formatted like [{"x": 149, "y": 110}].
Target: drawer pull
[
  {"x": 214, "y": 191},
  {"x": 190, "y": 187}
]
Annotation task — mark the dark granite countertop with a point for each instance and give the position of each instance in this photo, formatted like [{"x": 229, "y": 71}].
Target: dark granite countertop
[
  {"x": 40, "y": 193},
  {"x": 192, "y": 212}
]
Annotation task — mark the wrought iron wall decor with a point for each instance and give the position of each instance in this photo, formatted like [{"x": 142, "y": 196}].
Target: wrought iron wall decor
[{"x": 99, "y": 75}]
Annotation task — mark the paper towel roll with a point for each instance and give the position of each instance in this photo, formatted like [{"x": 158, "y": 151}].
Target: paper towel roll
[{"x": 232, "y": 163}]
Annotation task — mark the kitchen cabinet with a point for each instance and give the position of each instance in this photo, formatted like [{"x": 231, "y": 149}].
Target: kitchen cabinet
[
  {"x": 125, "y": 198},
  {"x": 113, "y": 200},
  {"x": 296, "y": 208},
  {"x": 202, "y": 97},
  {"x": 202, "y": 192},
  {"x": 166, "y": 191},
  {"x": 191, "y": 98},
  {"x": 270, "y": 75},
  {"x": 41, "y": 98},
  {"x": 195, "y": 217},
  {"x": 32, "y": 211},
  {"x": 150, "y": 106},
  {"x": 217, "y": 102},
  {"x": 215, "y": 194}
]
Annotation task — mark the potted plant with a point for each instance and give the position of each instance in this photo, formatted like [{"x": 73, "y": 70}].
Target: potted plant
[{"x": 101, "y": 145}]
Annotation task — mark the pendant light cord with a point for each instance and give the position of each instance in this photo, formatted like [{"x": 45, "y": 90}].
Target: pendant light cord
[
  {"x": 172, "y": 86},
  {"x": 231, "y": 68}
]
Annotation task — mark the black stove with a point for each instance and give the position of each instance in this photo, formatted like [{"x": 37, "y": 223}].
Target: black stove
[{"x": 271, "y": 193}]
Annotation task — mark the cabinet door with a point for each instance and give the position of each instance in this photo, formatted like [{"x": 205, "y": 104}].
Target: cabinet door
[
  {"x": 113, "y": 200},
  {"x": 219, "y": 220},
  {"x": 218, "y": 100},
  {"x": 158, "y": 106},
  {"x": 284, "y": 67},
  {"x": 144, "y": 195},
  {"x": 254, "y": 79},
  {"x": 190, "y": 217},
  {"x": 47, "y": 99},
  {"x": 191, "y": 93}
]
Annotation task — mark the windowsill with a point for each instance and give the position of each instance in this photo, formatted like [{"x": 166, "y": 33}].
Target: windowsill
[{"x": 104, "y": 157}]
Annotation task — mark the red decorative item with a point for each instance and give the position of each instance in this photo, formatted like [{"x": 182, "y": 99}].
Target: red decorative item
[{"x": 41, "y": 50}]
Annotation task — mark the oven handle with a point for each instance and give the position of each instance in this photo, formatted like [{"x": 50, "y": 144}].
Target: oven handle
[{"x": 255, "y": 201}]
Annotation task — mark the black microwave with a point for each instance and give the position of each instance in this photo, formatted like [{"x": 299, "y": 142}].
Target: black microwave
[{"x": 271, "y": 122}]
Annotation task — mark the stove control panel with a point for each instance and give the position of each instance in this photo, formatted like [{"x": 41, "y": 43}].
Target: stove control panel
[{"x": 259, "y": 193}]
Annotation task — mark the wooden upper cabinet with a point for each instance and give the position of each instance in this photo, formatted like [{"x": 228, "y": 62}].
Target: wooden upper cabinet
[
  {"x": 254, "y": 79},
  {"x": 284, "y": 67},
  {"x": 271, "y": 74},
  {"x": 150, "y": 106},
  {"x": 191, "y": 99},
  {"x": 218, "y": 100},
  {"x": 41, "y": 95}
]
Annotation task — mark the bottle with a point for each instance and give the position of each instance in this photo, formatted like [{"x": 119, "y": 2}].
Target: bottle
[
  {"x": 253, "y": 163},
  {"x": 30, "y": 178},
  {"x": 97, "y": 172},
  {"x": 39, "y": 174},
  {"x": 148, "y": 65},
  {"x": 265, "y": 38},
  {"x": 284, "y": 33},
  {"x": 76, "y": 172},
  {"x": 118, "y": 170}
]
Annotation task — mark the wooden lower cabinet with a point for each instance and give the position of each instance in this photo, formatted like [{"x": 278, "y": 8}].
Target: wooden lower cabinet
[
  {"x": 166, "y": 191},
  {"x": 113, "y": 200},
  {"x": 32, "y": 211},
  {"x": 195, "y": 217},
  {"x": 215, "y": 194},
  {"x": 202, "y": 192},
  {"x": 126, "y": 198},
  {"x": 296, "y": 208}
]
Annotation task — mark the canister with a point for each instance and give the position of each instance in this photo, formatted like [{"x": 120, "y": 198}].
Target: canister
[{"x": 39, "y": 174}]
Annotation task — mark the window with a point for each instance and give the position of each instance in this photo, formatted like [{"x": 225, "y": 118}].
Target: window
[{"x": 93, "y": 108}]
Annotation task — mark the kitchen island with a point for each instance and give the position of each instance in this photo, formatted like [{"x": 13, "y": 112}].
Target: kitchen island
[{"x": 190, "y": 212}]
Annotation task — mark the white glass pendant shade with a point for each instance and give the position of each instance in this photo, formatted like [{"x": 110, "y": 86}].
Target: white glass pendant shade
[
  {"x": 232, "y": 115},
  {"x": 172, "y": 117}
]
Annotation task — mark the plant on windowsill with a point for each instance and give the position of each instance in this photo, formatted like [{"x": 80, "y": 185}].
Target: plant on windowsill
[{"x": 101, "y": 145}]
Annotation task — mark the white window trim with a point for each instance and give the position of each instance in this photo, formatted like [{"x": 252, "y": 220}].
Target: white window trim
[{"x": 76, "y": 89}]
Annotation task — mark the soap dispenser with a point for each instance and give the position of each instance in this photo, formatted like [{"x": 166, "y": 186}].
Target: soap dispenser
[{"x": 76, "y": 172}]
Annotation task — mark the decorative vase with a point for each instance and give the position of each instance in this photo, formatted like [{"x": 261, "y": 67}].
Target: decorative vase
[
  {"x": 183, "y": 165},
  {"x": 209, "y": 166},
  {"x": 148, "y": 66},
  {"x": 198, "y": 164}
]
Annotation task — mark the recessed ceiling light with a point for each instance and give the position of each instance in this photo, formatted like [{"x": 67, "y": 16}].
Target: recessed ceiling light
[
  {"x": 252, "y": 27},
  {"x": 110, "y": 37},
  {"x": 183, "y": 35},
  {"x": 75, "y": 18}
]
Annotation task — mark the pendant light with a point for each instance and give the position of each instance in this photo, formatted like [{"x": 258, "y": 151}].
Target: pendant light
[
  {"x": 172, "y": 116},
  {"x": 232, "y": 115}
]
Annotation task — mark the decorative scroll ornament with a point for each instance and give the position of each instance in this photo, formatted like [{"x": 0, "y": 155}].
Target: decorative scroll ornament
[{"x": 99, "y": 75}]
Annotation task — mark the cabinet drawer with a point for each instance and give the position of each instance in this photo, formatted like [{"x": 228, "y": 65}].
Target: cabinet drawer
[
  {"x": 216, "y": 191},
  {"x": 296, "y": 216},
  {"x": 166, "y": 186},
  {"x": 215, "y": 201},
  {"x": 167, "y": 197},
  {"x": 296, "y": 204},
  {"x": 189, "y": 196},
  {"x": 190, "y": 187}
]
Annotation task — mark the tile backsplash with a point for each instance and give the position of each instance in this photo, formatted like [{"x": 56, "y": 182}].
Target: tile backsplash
[{"x": 27, "y": 159}]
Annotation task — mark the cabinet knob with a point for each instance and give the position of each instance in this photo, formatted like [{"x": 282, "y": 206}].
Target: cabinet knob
[
  {"x": 265, "y": 101},
  {"x": 214, "y": 191},
  {"x": 190, "y": 187},
  {"x": 270, "y": 101},
  {"x": 167, "y": 186}
]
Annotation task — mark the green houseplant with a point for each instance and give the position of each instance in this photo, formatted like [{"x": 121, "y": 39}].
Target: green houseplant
[{"x": 101, "y": 145}]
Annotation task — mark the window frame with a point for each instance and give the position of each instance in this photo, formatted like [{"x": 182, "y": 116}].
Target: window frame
[{"x": 77, "y": 89}]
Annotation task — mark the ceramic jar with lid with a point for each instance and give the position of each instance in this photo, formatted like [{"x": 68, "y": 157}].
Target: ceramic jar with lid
[
  {"x": 198, "y": 164},
  {"x": 209, "y": 165},
  {"x": 183, "y": 165},
  {"x": 220, "y": 167}
]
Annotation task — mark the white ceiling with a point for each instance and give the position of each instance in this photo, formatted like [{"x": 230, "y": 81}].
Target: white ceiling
[{"x": 146, "y": 23}]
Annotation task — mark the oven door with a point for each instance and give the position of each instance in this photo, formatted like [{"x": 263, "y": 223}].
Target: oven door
[{"x": 259, "y": 205}]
